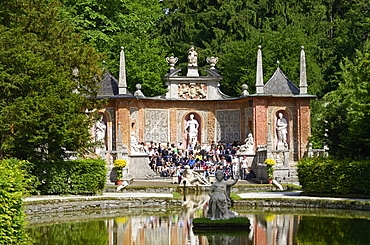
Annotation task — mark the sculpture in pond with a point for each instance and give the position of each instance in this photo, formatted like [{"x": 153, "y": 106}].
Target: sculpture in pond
[{"x": 220, "y": 202}]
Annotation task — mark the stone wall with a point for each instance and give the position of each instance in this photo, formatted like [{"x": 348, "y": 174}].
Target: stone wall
[{"x": 66, "y": 205}]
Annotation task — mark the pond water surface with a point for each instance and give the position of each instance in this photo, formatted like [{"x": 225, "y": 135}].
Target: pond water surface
[{"x": 156, "y": 226}]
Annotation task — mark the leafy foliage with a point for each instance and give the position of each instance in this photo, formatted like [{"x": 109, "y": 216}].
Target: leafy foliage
[
  {"x": 329, "y": 175},
  {"x": 232, "y": 30},
  {"x": 12, "y": 188},
  {"x": 41, "y": 103},
  {"x": 345, "y": 114},
  {"x": 110, "y": 24},
  {"x": 86, "y": 176}
]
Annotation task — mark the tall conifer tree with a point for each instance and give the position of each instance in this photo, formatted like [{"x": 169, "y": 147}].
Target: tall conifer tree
[{"x": 42, "y": 104}]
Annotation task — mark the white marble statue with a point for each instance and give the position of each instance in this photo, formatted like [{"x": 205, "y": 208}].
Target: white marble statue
[
  {"x": 192, "y": 57},
  {"x": 248, "y": 146},
  {"x": 191, "y": 128},
  {"x": 100, "y": 131},
  {"x": 193, "y": 178},
  {"x": 281, "y": 127},
  {"x": 135, "y": 146}
]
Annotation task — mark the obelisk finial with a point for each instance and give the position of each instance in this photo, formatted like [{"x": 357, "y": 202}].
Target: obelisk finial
[
  {"x": 122, "y": 84},
  {"x": 302, "y": 78},
  {"x": 259, "y": 73}
]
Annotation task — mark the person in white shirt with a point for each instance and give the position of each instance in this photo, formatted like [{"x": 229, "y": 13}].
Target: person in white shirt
[{"x": 244, "y": 167}]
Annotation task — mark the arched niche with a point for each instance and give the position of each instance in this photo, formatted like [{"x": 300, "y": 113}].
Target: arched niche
[
  {"x": 282, "y": 135},
  {"x": 187, "y": 124}
]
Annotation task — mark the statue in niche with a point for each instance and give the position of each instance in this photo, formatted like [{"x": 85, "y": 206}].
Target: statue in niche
[
  {"x": 192, "y": 57},
  {"x": 281, "y": 127},
  {"x": 193, "y": 178},
  {"x": 248, "y": 146},
  {"x": 220, "y": 202},
  {"x": 100, "y": 131},
  {"x": 191, "y": 129}
]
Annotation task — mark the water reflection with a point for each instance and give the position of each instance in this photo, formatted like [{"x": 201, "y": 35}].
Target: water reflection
[{"x": 141, "y": 226}]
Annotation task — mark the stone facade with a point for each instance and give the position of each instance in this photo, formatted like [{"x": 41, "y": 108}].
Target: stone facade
[{"x": 221, "y": 118}]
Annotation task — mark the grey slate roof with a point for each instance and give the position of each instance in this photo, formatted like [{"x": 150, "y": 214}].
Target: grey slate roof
[
  {"x": 108, "y": 85},
  {"x": 280, "y": 84}
]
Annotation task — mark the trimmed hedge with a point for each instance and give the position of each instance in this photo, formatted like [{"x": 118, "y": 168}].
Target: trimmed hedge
[
  {"x": 85, "y": 176},
  {"x": 329, "y": 175},
  {"x": 12, "y": 188}
]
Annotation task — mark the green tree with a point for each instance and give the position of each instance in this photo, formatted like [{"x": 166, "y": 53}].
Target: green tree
[
  {"x": 42, "y": 104},
  {"x": 346, "y": 115},
  {"x": 232, "y": 30},
  {"x": 110, "y": 24}
]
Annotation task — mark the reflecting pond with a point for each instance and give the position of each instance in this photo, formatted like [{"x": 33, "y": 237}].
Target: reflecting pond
[{"x": 158, "y": 226}]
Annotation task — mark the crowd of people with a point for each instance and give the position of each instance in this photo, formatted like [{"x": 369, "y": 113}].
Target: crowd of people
[{"x": 169, "y": 160}]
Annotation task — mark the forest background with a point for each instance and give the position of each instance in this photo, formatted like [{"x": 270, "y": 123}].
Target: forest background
[{"x": 42, "y": 41}]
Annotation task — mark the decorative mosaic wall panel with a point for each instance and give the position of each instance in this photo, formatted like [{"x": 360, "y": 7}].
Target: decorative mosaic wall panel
[
  {"x": 228, "y": 126},
  {"x": 156, "y": 125}
]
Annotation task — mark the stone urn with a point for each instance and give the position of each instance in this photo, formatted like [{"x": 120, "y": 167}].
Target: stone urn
[
  {"x": 172, "y": 61},
  {"x": 212, "y": 61}
]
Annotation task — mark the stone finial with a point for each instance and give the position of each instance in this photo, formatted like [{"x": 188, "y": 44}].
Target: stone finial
[
  {"x": 245, "y": 92},
  {"x": 122, "y": 84},
  {"x": 302, "y": 78},
  {"x": 212, "y": 61},
  {"x": 259, "y": 73},
  {"x": 172, "y": 61},
  {"x": 138, "y": 92}
]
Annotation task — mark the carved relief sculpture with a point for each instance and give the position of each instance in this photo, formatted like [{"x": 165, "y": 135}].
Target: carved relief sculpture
[{"x": 192, "y": 91}]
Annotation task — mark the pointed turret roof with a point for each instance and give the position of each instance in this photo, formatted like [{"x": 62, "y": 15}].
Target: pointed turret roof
[
  {"x": 108, "y": 87},
  {"x": 280, "y": 84}
]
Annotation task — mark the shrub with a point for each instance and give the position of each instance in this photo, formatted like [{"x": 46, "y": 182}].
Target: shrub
[
  {"x": 329, "y": 175},
  {"x": 85, "y": 176},
  {"x": 12, "y": 189}
]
